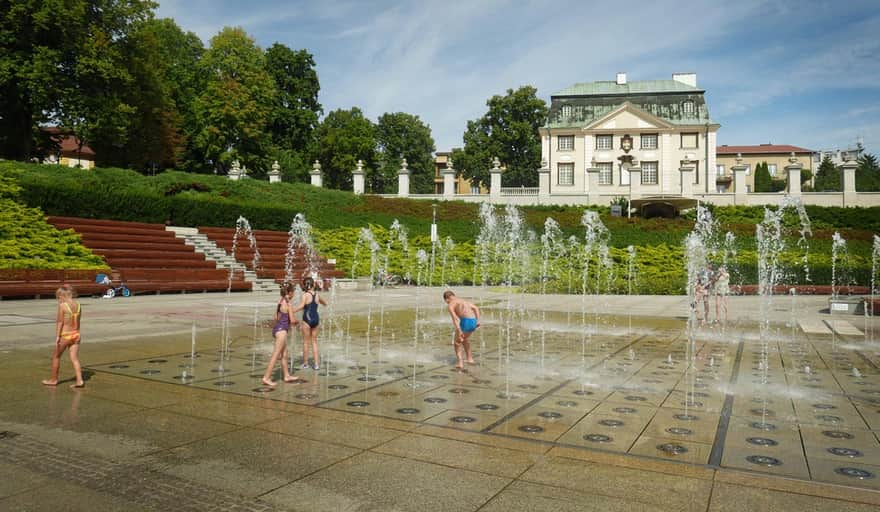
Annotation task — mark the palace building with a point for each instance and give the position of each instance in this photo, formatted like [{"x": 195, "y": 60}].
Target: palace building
[{"x": 618, "y": 131}]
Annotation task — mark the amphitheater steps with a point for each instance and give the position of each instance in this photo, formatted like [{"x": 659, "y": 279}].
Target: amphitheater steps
[
  {"x": 149, "y": 258},
  {"x": 203, "y": 245}
]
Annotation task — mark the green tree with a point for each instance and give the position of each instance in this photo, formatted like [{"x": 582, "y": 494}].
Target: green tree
[
  {"x": 296, "y": 109},
  {"x": 868, "y": 174},
  {"x": 65, "y": 62},
  {"x": 828, "y": 177},
  {"x": 234, "y": 110},
  {"x": 401, "y": 135},
  {"x": 763, "y": 182},
  {"x": 508, "y": 131},
  {"x": 343, "y": 138},
  {"x": 163, "y": 61}
]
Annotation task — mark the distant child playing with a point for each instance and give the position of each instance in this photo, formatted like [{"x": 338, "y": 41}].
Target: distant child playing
[
  {"x": 66, "y": 335},
  {"x": 466, "y": 319}
]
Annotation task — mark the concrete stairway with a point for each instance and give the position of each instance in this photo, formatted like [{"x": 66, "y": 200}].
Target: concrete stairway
[{"x": 202, "y": 244}]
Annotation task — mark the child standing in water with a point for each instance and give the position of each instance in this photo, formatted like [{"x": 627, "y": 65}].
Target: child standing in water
[
  {"x": 466, "y": 319},
  {"x": 66, "y": 335},
  {"x": 279, "y": 331},
  {"x": 310, "y": 321}
]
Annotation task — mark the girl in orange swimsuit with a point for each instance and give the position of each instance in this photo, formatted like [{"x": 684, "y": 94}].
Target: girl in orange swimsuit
[{"x": 66, "y": 335}]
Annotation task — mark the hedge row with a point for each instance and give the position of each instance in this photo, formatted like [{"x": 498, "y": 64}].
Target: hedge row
[{"x": 192, "y": 200}]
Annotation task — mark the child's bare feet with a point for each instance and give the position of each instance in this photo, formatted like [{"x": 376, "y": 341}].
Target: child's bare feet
[
  {"x": 471, "y": 361},
  {"x": 49, "y": 382},
  {"x": 268, "y": 382},
  {"x": 291, "y": 378},
  {"x": 459, "y": 366},
  {"x": 78, "y": 385}
]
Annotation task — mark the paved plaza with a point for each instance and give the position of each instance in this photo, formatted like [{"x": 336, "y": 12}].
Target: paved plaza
[{"x": 575, "y": 403}]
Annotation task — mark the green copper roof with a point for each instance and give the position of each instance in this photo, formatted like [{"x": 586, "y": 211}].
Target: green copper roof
[
  {"x": 686, "y": 107},
  {"x": 637, "y": 87}
]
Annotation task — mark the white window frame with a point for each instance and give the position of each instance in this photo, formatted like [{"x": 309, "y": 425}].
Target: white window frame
[
  {"x": 656, "y": 138},
  {"x": 569, "y": 142},
  {"x": 772, "y": 169},
  {"x": 720, "y": 170},
  {"x": 566, "y": 111},
  {"x": 606, "y": 173},
  {"x": 655, "y": 172},
  {"x": 688, "y": 107},
  {"x": 748, "y": 169},
  {"x": 568, "y": 173},
  {"x": 601, "y": 142}
]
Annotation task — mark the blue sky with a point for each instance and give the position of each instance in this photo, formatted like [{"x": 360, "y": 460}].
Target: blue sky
[{"x": 805, "y": 73}]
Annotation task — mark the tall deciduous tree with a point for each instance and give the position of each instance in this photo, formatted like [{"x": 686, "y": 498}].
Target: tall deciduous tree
[
  {"x": 234, "y": 110},
  {"x": 163, "y": 61},
  {"x": 65, "y": 62},
  {"x": 401, "y": 135},
  {"x": 509, "y": 131},
  {"x": 343, "y": 138},
  {"x": 828, "y": 177},
  {"x": 296, "y": 110}
]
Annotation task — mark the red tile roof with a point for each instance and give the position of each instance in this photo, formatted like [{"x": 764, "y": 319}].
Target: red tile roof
[
  {"x": 67, "y": 143},
  {"x": 759, "y": 149}
]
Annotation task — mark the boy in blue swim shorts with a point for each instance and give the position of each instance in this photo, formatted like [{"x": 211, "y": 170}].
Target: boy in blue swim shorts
[{"x": 466, "y": 319}]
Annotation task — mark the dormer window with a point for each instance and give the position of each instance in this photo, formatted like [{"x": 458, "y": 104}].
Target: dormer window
[
  {"x": 688, "y": 107},
  {"x": 566, "y": 111}
]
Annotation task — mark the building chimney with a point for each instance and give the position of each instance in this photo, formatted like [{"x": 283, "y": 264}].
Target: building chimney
[
  {"x": 686, "y": 78},
  {"x": 621, "y": 79}
]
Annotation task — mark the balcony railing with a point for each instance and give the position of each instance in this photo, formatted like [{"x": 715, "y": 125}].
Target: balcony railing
[{"x": 519, "y": 191}]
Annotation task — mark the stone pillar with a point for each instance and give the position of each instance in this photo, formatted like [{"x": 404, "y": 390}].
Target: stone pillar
[
  {"x": 849, "y": 182},
  {"x": 739, "y": 181},
  {"x": 687, "y": 179},
  {"x": 635, "y": 182},
  {"x": 543, "y": 181},
  {"x": 357, "y": 177},
  {"x": 593, "y": 184},
  {"x": 403, "y": 179},
  {"x": 495, "y": 178},
  {"x": 315, "y": 174},
  {"x": 448, "y": 179},
  {"x": 235, "y": 172},
  {"x": 794, "y": 176},
  {"x": 275, "y": 173}
]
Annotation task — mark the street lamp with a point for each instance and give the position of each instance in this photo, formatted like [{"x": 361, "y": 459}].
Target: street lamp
[{"x": 433, "y": 242}]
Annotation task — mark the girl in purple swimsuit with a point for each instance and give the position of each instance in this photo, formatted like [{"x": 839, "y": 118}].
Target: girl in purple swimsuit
[{"x": 282, "y": 326}]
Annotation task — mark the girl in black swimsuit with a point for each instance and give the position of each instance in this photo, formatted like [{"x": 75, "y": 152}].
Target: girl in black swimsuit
[{"x": 310, "y": 323}]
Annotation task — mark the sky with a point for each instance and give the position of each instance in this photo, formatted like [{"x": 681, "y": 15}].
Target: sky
[{"x": 798, "y": 72}]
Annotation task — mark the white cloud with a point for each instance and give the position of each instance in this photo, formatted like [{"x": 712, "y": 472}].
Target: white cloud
[{"x": 442, "y": 60}]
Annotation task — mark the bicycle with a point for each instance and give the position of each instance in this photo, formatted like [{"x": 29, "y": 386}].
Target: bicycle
[
  {"x": 387, "y": 280},
  {"x": 112, "y": 291}
]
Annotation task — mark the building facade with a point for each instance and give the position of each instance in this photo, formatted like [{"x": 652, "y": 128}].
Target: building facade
[
  {"x": 68, "y": 152},
  {"x": 620, "y": 130},
  {"x": 462, "y": 185},
  {"x": 839, "y": 156},
  {"x": 776, "y": 155}
]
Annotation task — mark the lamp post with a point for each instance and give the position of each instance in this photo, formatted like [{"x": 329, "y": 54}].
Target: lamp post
[{"x": 433, "y": 242}]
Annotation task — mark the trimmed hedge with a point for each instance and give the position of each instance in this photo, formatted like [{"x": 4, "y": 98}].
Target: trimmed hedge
[{"x": 192, "y": 199}]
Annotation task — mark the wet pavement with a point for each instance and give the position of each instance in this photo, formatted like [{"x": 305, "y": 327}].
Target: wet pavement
[{"x": 574, "y": 404}]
